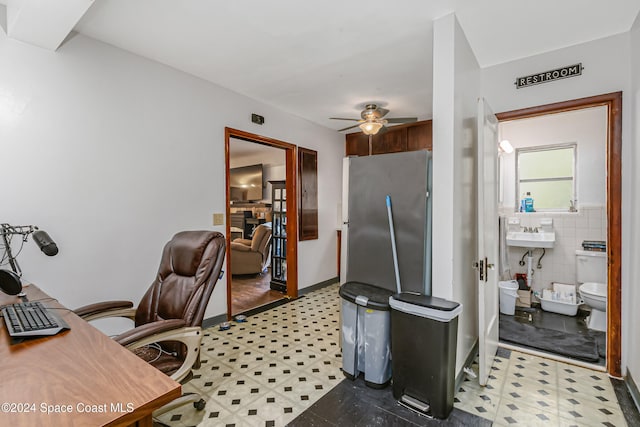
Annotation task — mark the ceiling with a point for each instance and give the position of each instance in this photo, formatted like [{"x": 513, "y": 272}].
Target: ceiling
[
  {"x": 243, "y": 152},
  {"x": 328, "y": 59}
]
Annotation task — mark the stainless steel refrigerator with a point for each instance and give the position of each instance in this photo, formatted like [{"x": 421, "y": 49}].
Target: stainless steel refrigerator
[{"x": 366, "y": 238}]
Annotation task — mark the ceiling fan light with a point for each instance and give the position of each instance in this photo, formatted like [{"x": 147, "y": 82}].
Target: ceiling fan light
[{"x": 370, "y": 128}]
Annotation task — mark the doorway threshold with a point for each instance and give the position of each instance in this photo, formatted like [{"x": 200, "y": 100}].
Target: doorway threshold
[
  {"x": 264, "y": 307},
  {"x": 551, "y": 356}
]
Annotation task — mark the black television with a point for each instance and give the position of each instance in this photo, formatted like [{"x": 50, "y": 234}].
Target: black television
[{"x": 245, "y": 183}]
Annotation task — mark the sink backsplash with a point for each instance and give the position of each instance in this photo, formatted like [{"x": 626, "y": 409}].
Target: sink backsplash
[{"x": 558, "y": 264}]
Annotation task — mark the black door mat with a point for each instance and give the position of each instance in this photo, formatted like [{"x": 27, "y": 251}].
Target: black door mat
[{"x": 577, "y": 346}]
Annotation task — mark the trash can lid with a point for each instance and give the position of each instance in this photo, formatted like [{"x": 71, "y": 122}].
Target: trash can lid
[
  {"x": 426, "y": 306},
  {"x": 366, "y": 295},
  {"x": 508, "y": 284}
]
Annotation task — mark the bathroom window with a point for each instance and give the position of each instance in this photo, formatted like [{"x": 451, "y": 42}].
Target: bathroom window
[{"x": 549, "y": 174}]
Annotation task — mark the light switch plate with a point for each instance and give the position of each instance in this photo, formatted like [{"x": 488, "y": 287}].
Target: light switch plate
[{"x": 218, "y": 219}]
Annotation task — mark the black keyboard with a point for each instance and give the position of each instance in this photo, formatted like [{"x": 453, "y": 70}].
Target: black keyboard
[{"x": 32, "y": 319}]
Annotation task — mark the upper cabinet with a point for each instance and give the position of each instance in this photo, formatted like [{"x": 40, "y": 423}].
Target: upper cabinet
[{"x": 407, "y": 137}]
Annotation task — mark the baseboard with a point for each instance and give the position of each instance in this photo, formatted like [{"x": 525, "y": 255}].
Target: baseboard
[
  {"x": 265, "y": 307},
  {"x": 633, "y": 389},
  {"x": 215, "y": 320},
  {"x": 317, "y": 286}
]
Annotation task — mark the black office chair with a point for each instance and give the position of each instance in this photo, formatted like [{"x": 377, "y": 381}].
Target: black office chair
[{"x": 168, "y": 320}]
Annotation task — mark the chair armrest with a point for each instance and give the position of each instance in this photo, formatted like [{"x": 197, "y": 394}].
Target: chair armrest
[
  {"x": 106, "y": 309},
  {"x": 147, "y": 330},
  {"x": 246, "y": 242},
  {"x": 167, "y": 330},
  {"x": 240, "y": 247}
]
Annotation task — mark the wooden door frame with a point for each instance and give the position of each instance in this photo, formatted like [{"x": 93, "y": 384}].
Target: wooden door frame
[
  {"x": 292, "y": 206},
  {"x": 614, "y": 207}
]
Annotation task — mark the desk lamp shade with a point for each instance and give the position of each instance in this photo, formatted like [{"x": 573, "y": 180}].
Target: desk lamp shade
[{"x": 10, "y": 282}]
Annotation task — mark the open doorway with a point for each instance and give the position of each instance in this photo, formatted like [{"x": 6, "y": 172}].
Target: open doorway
[
  {"x": 252, "y": 169},
  {"x": 255, "y": 167},
  {"x": 585, "y": 215}
]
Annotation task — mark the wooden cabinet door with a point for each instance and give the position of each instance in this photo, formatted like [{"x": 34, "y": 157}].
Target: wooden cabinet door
[
  {"x": 308, "y": 197},
  {"x": 357, "y": 144},
  {"x": 407, "y": 137},
  {"x": 419, "y": 137},
  {"x": 392, "y": 141}
]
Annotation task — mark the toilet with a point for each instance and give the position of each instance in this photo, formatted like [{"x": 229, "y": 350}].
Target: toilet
[{"x": 591, "y": 274}]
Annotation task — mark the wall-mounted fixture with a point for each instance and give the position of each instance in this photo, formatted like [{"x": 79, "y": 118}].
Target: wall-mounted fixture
[
  {"x": 505, "y": 147},
  {"x": 257, "y": 119}
]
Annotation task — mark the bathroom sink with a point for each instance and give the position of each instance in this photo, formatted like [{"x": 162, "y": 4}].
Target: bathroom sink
[{"x": 525, "y": 239}]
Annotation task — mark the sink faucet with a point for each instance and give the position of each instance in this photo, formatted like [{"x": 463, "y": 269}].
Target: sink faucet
[
  {"x": 530, "y": 229},
  {"x": 572, "y": 206}
]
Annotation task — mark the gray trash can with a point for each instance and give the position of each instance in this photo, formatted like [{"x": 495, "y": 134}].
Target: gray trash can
[
  {"x": 424, "y": 330},
  {"x": 366, "y": 322}
]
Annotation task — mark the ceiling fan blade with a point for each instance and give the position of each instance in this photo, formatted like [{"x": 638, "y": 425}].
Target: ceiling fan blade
[
  {"x": 383, "y": 112},
  {"x": 342, "y": 118},
  {"x": 382, "y": 130},
  {"x": 350, "y": 127},
  {"x": 402, "y": 120}
]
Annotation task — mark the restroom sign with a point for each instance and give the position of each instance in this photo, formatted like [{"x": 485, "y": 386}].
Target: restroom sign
[{"x": 549, "y": 76}]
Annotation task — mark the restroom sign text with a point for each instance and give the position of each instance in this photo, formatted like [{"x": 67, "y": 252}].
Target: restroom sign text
[{"x": 549, "y": 76}]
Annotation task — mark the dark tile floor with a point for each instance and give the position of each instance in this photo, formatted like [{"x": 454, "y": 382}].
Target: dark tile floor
[
  {"x": 351, "y": 403},
  {"x": 544, "y": 320},
  {"x": 548, "y": 320}
]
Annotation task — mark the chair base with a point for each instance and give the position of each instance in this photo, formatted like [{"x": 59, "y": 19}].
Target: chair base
[{"x": 194, "y": 398}]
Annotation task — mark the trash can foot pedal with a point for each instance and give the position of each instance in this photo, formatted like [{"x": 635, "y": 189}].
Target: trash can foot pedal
[{"x": 415, "y": 405}]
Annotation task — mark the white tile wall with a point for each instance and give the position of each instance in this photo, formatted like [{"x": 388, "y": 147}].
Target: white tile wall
[{"x": 559, "y": 263}]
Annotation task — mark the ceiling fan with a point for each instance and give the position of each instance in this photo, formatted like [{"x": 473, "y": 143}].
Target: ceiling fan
[{"x": 372, "y": 120}]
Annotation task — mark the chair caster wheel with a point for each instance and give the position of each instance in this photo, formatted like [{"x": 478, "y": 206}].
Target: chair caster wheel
[{"x": 199, "y": 405}]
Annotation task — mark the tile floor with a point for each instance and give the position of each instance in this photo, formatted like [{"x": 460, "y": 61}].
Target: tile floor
[
  {"x": 529, "y": 390},
  {"x": 268, "y": 370},
  {"x": 280, "y": 363}
]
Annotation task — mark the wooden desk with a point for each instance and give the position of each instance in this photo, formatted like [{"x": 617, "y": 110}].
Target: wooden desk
[{"x": 81, "y": 371}]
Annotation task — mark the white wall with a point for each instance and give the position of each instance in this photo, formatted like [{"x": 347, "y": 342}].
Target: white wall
[
  {"x": 112, "y": 154},
  {"x": 456, "y": 82},
  {"x": 631, "y": 294},
  {"x": 587, "y": 128},
  {"x": 607, "y": 69}
]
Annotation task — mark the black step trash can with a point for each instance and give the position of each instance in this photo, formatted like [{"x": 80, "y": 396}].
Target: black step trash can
[
  {"x": 366, "y": 323},
  {"x": 424, "y": 331}
]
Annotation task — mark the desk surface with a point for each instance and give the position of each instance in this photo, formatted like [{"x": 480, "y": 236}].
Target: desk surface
[{"x": 81, "y": 376}]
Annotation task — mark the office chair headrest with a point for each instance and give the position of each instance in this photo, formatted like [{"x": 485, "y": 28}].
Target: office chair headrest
[
  {"x": 187, "y": 249},
  {"x": 10, "y": 282}
]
